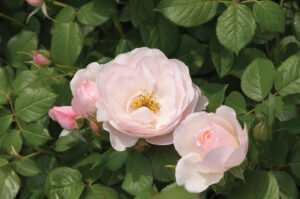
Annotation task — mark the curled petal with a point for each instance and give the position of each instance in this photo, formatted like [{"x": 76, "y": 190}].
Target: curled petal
[{"x": 65, "y": 116}]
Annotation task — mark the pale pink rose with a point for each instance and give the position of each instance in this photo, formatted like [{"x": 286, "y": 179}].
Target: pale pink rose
[
  {"x": 35, "y": 3},
  {"x": 40, "y": 59},
  {"x": 85, "y": 92},
  {"x": 210, "y": 144},
  {"x": 65, "y": 116},
  {"x": 143, "y": 94}
]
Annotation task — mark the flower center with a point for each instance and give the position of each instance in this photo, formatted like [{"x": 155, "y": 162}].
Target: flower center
[{"x": 146, "y": 100}]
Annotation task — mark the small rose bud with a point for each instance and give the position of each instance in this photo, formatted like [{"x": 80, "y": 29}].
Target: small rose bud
[
  {"x": 140, "y": 148},
  {"x": 65, "y": 116},
  {"x": 40, "y": 60},
  {"x": 35, "y": 3}
]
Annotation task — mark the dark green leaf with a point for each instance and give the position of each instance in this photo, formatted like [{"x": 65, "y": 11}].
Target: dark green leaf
[
  {"x": 292, "y": 125},
  {"x": 5, "y": 120},
  {"x": 236, "y": 27},
  {"x": 24, "y": 80},
  {"x": 173, "y": 191},
  {"x": 68, "y": 139},
  {"x": 287, "y": 186},
  {"x": 139, "y": 174},
  {"x": 12, "y": 140},
  {"x": 257, "y": 79},
  {"x": 295, "y": 160},
  {"x": 236, "y": 101},
  {"x": 34, "y": 104},
  {"x": 287, "y": 79},
  {"x": 9, "y": 183},
  {"x": 4, "y": 86},
  {"x": 98, "y": 191},
  {"x": 188, "y": 12},
  {"x": 146, "y": 193},
  {"x": 95, "y": 13},
  {"x": 35, "y": 134},
  {"x": 64, "y": 183},
  {"x": 141, "y": 11},
  {"x": 26, "y": 167},
  {"x": 297, "y": 25}
]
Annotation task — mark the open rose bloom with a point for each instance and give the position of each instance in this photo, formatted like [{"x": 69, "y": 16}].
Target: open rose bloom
[
  {"x": 210, "y": 144},
  {"x": 143, "y": 94}
]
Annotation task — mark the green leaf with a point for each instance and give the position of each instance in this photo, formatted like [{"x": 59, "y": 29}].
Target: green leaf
[
  {"x": 192, "y": 53},
  {"x": 238, "y": 172},
  {"x": 65, "y": 15},
  {"x": 236, "y": 101},
  {"x": 188, "y": 13},
  {"x": 19, "y": 45},
  {"x": 269, "y": 15},
  {"x": 96, "y": 12},
  {"x": 257, "y": 80},
  {"x": 4, "y": 86},
  {"x": 141, "y": 11},
  {"x": 296, "y": 25},
  {"x": 295, "y": 160},
  {"x": 68, "y": 139},
  {"x": 66, "y": 43},
  {"x": 3, "y": 162},
  {"x": 213, "y": 91},
  {"x": 287, "y": 186},
  {"x": 64, "y": 183},
  {"x": 259, "y": 184},
  {"x": 139, "y": 174},
  {"x": 35, "y": 134},
  {"x": 12, "y": 139},
  {"x": 9, "y": 183},
  {"x": 160, "y": 157},
  {"x": 146, "y": 193},
  {"x": 114, "y": 160},
  {"x": 24, "y": 79},
  {"x": 34, "y": 104},
  {"x": 236, "y": 27},
  {"x": 26, "y": 167},
  {"x": 173, "y": 191},
  {"x": 244, "y": 58},
  {"x": 5, "y": 120},
  {"x": 222, "y": 58},
  {"x": 292, "y": 125},
  {"x": 287, "y": 79},
  {"x": 161, "y": 34},
  {"x": 98, "y": 191},
  {"x": 126, "y": 45}
]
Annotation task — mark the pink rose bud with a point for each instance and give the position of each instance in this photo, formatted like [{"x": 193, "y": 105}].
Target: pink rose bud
[
  {"x": 65, "y": 116},
  {"x": 145, "y": 95},
  {"x": 40, "y": 59},
  {"x": 35, "y": 3},
  {"x": 140, "y": 148},
  {"x": 94, "y": 125},
  {"x": 85, "y": 98},
  {"x": 209, "y": 145}
]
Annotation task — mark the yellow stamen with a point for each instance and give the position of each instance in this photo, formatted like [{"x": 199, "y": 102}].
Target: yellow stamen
[{"x": 146, "y": 100}]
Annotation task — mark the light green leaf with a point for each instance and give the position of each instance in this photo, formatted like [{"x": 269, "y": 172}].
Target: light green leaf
[
  {"x": 5, "y": 120},
  {"x": 269, "y": 15},
  {"x": 19, "y": 45},
  {"x": 9, "y": 183},
  {"x": 160, "y": 157},
  {"x": 35, "y": 134},
  {"x": 161, "y": 34},
  {"x": 259, "y": 184},
  {"x": 192, "y": 53},
  {"x": 64, "y": 183},
  {"x": 12, "y": 139},
  {"x": 4, "y": 86},
  {"x": 3, "y": 162},
  {"x": 287, "y": 186},
  {"x": 98, "y": 191},
  {"x": 66, "y": 43},
  {"x": 65, "y": 15},
  {"x": 96, "y": 12},
  {"x": 24, "y": 79},
  {"x": 213, "y": 91},
  {"x": 296, "y": 25},
  {"x": 33, "y": 104},
  {"x": 139, "y": 174},
  {"x": 236, "y": 101},
  {"x": 26, "y": 167},
  {"x": 173, "y": 191},
  {"x": 257, "y": 80},
  {"x": 236, "y": 27},
  {"x": 287, "y": 79},
  {"x": 188, "y": 13},
  {"x": 222, "y": 58}
]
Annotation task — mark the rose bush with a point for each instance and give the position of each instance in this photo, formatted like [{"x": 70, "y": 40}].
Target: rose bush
[{"x": 149, "y": 99}]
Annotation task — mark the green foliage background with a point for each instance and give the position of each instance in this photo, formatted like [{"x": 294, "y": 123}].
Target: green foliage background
[{"x": 245, "y": 54}]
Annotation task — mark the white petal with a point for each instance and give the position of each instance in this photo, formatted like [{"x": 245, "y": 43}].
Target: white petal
[
  {"x": 201, "y": 104},
  {"x": 162, "y": 139},
  {"x": 101, "y": 114},
  {"x": 119, "y": 140},
  {"x": 90, "y": 73},
  {"x": 225, "y": 111},
  {"x": 193, "y": 179},
  {"x": 143, "y": 115}
]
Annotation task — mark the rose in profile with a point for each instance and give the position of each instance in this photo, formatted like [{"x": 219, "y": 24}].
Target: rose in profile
[
  {"x": 143, "y": 94},
  {"x": 210, "y": 144},
  {"x": 85, "y": 96}
]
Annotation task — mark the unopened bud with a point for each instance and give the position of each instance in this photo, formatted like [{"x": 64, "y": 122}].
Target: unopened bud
[
  {"x": 40, "y": 60},
  {"x": 35, "y": 3}
]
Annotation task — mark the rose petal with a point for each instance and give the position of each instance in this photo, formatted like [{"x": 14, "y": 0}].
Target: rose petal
[
  {"x": 193, "y": 179},
  {"x": 119, "y": 140},
  {"x": 165, "y": 139},
  {"x": 143, "y": 115}
]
